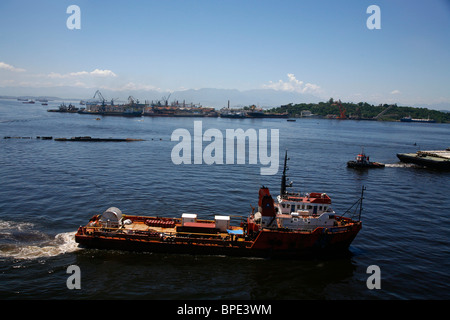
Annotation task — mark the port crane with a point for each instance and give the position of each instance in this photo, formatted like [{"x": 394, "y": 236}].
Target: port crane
[
  {"x": 99, "y": 94},
  {"x": 166, "y": 100},
  {"x": 132, "y": 100},
  {"x": 112, "y": 101},
  {"x": 341, "y": 109}
]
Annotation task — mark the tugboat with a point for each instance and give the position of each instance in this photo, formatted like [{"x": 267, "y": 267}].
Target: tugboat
[
  {"x": 296, "y": 226},
  {"x": 362, "y": 162}
]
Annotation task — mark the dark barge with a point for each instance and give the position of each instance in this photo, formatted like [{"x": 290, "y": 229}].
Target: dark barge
[
  {"x": 90, "y": 139},
  {"x": 436, "y": 159}
]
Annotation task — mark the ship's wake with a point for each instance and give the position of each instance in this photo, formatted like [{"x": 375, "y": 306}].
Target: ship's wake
[
  {"x": 21, "y": 241},
  {"x": 400, "y": 165}
]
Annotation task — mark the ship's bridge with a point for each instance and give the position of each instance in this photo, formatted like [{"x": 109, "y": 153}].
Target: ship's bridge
[{"x": 308, "y": 204}]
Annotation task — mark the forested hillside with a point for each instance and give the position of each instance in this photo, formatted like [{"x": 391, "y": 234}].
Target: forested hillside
[{"x": 362, "y": 110}]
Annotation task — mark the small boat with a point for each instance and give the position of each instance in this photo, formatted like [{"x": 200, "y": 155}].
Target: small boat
[
  {"x": 362, "y": 162},
  {"x": 294, "y": 226}
]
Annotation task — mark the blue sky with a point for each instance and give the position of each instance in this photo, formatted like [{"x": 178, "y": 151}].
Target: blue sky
[{"x": 318, "y": 47}]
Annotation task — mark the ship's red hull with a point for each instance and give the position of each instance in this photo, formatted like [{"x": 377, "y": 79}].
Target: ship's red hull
[{"x": 267, "y": 243}]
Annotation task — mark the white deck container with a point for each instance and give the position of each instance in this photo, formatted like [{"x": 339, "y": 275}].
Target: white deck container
[
  {"x": 188, "y": 217},
  {"x": 222, "y": 223}
]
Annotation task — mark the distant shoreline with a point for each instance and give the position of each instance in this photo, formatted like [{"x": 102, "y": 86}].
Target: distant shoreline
[{"x": 353, "y": 111}]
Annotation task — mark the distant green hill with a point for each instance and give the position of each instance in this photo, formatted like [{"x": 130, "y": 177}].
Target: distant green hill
[{"x": 363, "y": 110}]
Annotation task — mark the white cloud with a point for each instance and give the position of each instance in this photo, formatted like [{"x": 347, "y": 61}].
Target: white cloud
[
  {"x": 395, "y": 92},
  {"x": 135, "y": 86},
  {"x": 293, "y": 85},
  {"x": 98, "y": 78},
  {"x": 78, "y": 74},
  {"x": 95, "y": 73},
  {"x": 103, "y": 73},
  {"x": 54, "y": 75},
  {"x": 9, "y": 67},
  {"x": 80, "y": 84}
]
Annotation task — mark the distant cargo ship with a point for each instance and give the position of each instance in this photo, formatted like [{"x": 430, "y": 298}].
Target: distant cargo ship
[
  {"x": 63, "y": 108},
  {"x": 409, "y": 119},
  {"x": 262, "y": 114},
  {"x": 253, "y": 112},
  {"x": 124, "y": 110},
  {"x": 234, "y": 114},
  {"x": 176, "y": 109},
  {"x": 259, "y": 113}
]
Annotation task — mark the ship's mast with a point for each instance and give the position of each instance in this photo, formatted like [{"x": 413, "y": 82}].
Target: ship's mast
[
  {"x": 283, "y": 177},
  {"x": 361, "y": 202}
]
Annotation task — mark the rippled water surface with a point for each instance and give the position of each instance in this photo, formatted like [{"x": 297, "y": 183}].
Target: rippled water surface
[{"x": 49, "y": 188}]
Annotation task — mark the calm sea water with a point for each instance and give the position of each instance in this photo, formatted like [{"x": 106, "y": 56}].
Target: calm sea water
[{"x": 48, "y": 189}]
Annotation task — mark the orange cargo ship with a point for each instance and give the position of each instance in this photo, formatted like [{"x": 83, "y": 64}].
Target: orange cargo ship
[{"x": 293, "y": 226}]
